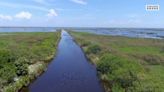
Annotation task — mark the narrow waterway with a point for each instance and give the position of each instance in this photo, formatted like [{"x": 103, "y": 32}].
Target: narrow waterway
[{"x": 69, "y": 71}]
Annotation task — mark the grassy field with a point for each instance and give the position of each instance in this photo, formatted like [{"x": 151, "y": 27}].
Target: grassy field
[
  {"x": 21, "y": 40},
  {"x": 21, "y": 51},
  {"x": 129, "y": 64}
]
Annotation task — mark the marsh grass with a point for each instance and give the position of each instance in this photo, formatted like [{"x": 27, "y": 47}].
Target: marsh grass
[
  {"x": 22, "y": 40},
  {"x": 146, "y": 52},
  {"x": 140, "y": 48}
]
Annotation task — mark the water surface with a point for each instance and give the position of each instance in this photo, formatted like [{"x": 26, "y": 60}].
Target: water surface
[
  {"x": 154, "y": 33},
  {"x": 69, "y": 71},
  {"x": 130, "y": 32}
]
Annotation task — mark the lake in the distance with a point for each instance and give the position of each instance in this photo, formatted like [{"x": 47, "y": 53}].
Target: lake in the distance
[{"x": 129, "y": 32}]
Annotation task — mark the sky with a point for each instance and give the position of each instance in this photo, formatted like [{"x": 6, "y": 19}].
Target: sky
[{"x": 81, "y": 13}]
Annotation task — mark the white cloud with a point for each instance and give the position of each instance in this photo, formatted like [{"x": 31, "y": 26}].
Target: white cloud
[
  {"x": 5, "y": 17},
  {"x": 79, "y": 2},
  {"x": 52, "y": 13},
  {"x": 134, "y": 21},
  {"x": 112, "y": 21},
  {"x": 41, "y": 1},
  {"x": 122, "y": 22},
  {"x": 126, "y": 22},
  {"x": 23, "y": 14}
]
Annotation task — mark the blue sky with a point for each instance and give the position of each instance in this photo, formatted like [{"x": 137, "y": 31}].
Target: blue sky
[{"x": 81, "y": 13}]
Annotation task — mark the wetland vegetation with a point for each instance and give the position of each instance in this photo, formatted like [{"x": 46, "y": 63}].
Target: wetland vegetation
[
  {"x": 128, "y": 64},
  {"x": 22, "y": 57},
  {"x": 124, "y": 64}
]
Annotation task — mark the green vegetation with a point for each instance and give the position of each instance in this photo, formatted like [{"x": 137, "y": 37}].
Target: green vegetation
[
  {"x": 128, "y": 64},
  {"x": 20, "y": 50},
  {"x": 92, "y": 49},
  {"x": 21, "y": 66}
]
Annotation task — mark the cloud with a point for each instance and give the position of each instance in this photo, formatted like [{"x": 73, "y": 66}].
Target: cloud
[
  {"x": 41, "y": 1},
  {"x": 22, "y": 14},
  {"x": 134, "y": 21},
  {"x": 137, "y": 21},
  {"x": 59, "y": 9},
  {"x": 132, "y": 15},
  {"x": 131, "y": 22},
  {"x": 52, "y": 13},
  {"x": 5, "y": 17},
  {"x": 14, "y": 5},
  {"x": 112, "y": 21},
  {"x": 79, "y": 2}
]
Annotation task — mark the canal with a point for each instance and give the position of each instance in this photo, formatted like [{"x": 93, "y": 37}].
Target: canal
[{"x": 69, "y": 71}]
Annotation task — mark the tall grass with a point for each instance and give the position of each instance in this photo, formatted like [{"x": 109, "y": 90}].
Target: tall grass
[{"x": 139, "y": 68}]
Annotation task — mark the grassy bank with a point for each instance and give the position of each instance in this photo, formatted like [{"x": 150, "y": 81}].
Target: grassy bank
[
  {"x": 22, "y": 57},
  {"x": 129, "y": 64}
]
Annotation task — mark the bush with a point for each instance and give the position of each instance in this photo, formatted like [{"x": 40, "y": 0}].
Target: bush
[
  {"x": 162, "y": 50},
  {"x": 21, "y": 66},
  {"x": 4, "y": 56},
  {"x": 120, "y": 71},
  {"x": 42, "y": 67},
  {"x": 153, "y": 59},
  {"x": 15, "y": 54},
  {"x": 7, "y": 72},
  {"x": 85, "y": 43},
  {"x": 37, "y": 51},
  {"x": 105, "y": 63},
  {"x": 93, "y": 49}
]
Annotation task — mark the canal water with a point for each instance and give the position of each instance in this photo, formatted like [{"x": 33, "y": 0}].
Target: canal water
[{"x": 69, "y": 71}]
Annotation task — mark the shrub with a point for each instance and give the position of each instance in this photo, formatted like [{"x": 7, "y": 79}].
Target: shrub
[
  {"x": 7, "y": 72},
  {"x": 42, "y": 67},
  {"x": 93, "y": 49},
  {"x": 162, "y": 50},
  {"x": 15, "y": 54},
  {"x": 105, "y": 63},
  {"x": 21, "y": 66},
  {"x": 120, "y": 71},
  {"x": 117, "y": 88},
  {"x": 153, "y": 59},
  {"x": 37, "y": 51},
  {"x": 85, "y": 43},
  {"x": 4, "y": 56}
]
